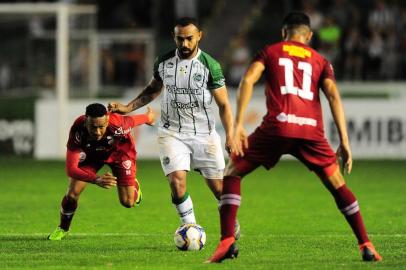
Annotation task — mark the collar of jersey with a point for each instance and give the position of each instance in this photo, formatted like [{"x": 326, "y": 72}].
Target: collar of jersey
[{"x": 195, "y": 57}]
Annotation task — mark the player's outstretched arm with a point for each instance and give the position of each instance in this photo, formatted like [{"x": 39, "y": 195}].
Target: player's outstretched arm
[
  {"x": 72, "y": 160},
  {"x": 150, "y": 92},
  {"x": 151, "y": 116},
  {"x": 344, "y": 150},
  {"x": 244, "y": 95},
  {"x": 221, "y": 97}
]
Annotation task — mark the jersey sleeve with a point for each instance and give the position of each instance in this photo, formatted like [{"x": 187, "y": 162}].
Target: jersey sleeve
[
  {"x": 260, "y": 57},
  {"x": 156, "y": 70},
  {"x": 75, "y": 135},
  {"x": 216, "y": 77},
  {"x": 73, "y": 170},
  {"x": 136, "y": 120},
  {"x": 127, "y": 121},
  {"x": 328, "y": 71}
]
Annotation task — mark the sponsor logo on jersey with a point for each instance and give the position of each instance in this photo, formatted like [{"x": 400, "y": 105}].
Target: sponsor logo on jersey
[
  {"x": 126, "y": 164},
  {"x": 180, "y": 105},
  {"x": 170, "y": 65},
  {"x": 293, "y": 119},
  {"x": 166, "y": 160},
  {"x": 121, "y": 131},
  {"x": 78, "y": 137},
  {"x": 197, "y": 77},
  {"x": 183, "y": 70},
  {"x": 82, "y": 156},
  {"x": 187, "y": 91},
  {"x": 110, "y": 140},
  {"x": 293, "y": 50}
]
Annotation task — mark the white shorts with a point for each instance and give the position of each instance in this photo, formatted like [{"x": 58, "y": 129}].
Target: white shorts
[{"x": 178, "y": 151}]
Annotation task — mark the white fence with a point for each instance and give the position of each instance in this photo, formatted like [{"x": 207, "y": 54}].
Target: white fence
[{"x": 377, "y": 127}]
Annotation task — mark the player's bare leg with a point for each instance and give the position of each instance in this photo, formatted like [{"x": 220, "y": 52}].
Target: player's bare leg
[
  {"x": 348, "y": 205},
  {"x": 180, "y": 197},
  {"x": 129, "y": 195},
  {"x": 68, "y": 208}
]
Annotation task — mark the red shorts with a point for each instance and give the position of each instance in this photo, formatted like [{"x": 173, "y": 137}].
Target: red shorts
[
  {"x": 124, "y": 170},
  {"x": 266, "y": 150}
]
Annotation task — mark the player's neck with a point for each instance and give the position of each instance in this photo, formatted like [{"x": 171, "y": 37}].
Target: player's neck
[{"x": 297, "y": 38}]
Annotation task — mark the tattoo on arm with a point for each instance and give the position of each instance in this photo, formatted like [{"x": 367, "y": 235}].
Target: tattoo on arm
[{"x": 149, "y": 94}]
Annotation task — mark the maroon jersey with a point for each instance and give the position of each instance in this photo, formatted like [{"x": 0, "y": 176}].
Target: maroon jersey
[
  {"x": 116, "y": 140},
  {"x": 116, "y": 148},
  {"x": 294, "y": 74}
]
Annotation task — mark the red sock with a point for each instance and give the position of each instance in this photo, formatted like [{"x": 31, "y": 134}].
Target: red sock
[
  {"x": 68, "y": 207},
  {"x": 348, "y": 205},
  {"x": 230, "y": 200}
]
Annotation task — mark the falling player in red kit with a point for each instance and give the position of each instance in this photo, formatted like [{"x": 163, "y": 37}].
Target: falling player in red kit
[
  {"x": 95, "y": 139},
  {"x": 294, "y": 73}
]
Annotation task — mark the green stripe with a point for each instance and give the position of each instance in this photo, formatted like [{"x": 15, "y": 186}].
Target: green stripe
[{"x": 180, "y": 200}]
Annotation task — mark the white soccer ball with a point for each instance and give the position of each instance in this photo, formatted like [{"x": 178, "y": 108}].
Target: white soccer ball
[{"x": 190, "y": 237}]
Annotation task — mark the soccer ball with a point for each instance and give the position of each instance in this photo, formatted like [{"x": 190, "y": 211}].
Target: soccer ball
[{"x": 190, "y": 237}]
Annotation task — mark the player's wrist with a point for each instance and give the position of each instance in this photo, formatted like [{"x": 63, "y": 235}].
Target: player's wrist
[{"x": 97, "y": 180}]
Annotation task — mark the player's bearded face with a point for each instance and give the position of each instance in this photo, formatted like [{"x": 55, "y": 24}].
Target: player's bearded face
[
  {"x": 187, "y": 40},
  {"x": 97, "y": 126}
]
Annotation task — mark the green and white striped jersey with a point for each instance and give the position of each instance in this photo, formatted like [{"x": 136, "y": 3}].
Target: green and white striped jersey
[{"x": 186, "y": 104}]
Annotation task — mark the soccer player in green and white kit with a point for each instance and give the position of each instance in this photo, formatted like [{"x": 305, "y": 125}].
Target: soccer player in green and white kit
[{"x": 189, "y": 79}]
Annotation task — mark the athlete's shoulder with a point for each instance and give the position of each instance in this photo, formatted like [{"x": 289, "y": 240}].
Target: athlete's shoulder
[
  {"x": 79, "y": 122},
  {"x": 163, "y": 57},
  {"x": 207, "y": 60},
  {"x": 115, "y": 119}
]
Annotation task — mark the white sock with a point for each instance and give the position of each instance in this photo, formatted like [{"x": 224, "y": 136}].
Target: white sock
[{"x": 185, "y": 211}]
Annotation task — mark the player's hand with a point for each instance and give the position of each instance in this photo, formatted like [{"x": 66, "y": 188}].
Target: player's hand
[
  {"x": 344, "y": 156},
  {"x": 241, "y": 140},
  {"x": 230, "y": 145},
  {"x": 107, "y": 181},
  {"x": 117, "y": 107},
  {"x": 151, "y": 116}
]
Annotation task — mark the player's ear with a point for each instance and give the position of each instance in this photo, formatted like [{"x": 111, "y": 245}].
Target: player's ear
[
  {"x": 309, "y": 37},
  {"x": 199, "y": 35},
  {"x": 284, "y": 33}
]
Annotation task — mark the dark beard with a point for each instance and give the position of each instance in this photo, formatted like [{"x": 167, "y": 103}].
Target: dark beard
[{"x": 187, "y": 54}]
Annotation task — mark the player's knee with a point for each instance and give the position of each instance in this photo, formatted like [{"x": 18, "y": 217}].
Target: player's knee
[
  {"x": 178, "y": 185},
  {"x": 72, "y": 196},
  {"x": 127, "y": 203}
]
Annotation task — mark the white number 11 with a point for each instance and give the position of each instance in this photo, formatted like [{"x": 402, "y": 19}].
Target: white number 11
[{"x": 289, "y": 88}]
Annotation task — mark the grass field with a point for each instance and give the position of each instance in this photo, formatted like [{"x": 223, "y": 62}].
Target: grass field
[{"x": 288, "y": 220}]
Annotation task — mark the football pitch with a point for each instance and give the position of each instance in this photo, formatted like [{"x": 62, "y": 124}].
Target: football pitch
[{"x": 288, "y": 220}]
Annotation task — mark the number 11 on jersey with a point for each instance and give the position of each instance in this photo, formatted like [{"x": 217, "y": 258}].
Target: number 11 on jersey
[{"x": 289, "y": 87}]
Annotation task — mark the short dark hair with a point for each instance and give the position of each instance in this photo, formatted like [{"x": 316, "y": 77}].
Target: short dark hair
[
  {"x": 96, "y": 110},
  {"x": 295, "y": 19},
  {"x": 185, "y": 21}
]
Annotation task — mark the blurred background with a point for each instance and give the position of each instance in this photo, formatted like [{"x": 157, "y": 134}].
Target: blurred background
[{"x": 58, "y": 56}]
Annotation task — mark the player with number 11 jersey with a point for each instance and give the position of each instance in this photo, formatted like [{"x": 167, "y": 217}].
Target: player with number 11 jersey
[{"x": 294, "y": 75}]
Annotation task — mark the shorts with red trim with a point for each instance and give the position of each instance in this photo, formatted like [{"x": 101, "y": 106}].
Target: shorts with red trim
[
  {"x": 124, "y": 170},
  {"x": 266, "y": 150}
]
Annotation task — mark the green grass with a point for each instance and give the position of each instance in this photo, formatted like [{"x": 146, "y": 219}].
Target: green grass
[{"x": 288, "y": 220}]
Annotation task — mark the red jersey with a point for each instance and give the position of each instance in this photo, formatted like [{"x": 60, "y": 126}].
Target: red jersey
[
  {"x": 294, "y": 74},
  {"x": 117, "y": 144}
]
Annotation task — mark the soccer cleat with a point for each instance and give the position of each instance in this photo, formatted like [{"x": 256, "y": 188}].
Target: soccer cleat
[
  {"x": 237, "y": 230},
  {"x": 369, "y": 253},
  {"x": 58, "y": 234},
  {"x": 139, "y": 194},
  {"x": 227, "y": 249}
]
